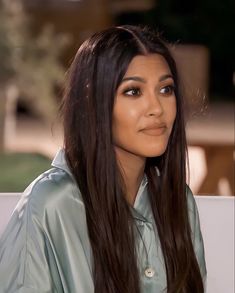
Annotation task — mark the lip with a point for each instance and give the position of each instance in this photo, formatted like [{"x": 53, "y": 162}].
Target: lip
[{"x": 154, "y": 130}]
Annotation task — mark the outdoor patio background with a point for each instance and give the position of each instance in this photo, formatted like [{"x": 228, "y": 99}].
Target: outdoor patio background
[{"x": 202, "y": 45}]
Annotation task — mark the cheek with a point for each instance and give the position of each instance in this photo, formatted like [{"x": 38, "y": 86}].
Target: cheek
[
  {"x": 125, "y": 118},
  {"x": 169, "y": 116},
  {"x": 173, "y": 116},
  {"x": 170, "y": 111},
  {"x": 121, "y": 126},
  {"x": 124, "y": 130}
]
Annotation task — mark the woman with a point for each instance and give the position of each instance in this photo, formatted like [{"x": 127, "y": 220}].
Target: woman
[{"x": 114, "y": 215}]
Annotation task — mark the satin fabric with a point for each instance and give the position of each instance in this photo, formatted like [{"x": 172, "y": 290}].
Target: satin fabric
[{"x": 45, "y": 247}]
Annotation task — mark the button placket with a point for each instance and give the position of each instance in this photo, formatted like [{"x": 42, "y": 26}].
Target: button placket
[{"x": 149, "y": 271}]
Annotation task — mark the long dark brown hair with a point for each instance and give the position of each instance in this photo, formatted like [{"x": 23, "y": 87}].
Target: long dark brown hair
[{"x": 94, "y": 77}]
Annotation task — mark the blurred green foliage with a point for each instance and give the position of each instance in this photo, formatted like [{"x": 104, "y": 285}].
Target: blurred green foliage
[
  {"x": 30, "y": 62},
  {"x": 18, "y": 170}
]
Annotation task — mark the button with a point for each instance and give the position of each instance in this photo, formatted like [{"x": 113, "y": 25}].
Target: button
[{"x": 149, "y": 272}]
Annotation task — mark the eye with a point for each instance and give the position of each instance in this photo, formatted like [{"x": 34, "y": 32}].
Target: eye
[
  {"x": 167, "y": 90},
  {"x": 134, "y": 91}
]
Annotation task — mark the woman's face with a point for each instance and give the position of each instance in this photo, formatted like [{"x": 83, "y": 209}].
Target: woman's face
[{"x": 144, "y": 107}]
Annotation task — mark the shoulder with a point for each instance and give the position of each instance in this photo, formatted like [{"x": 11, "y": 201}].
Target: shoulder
[
  {"x": 52, "y": 184},
  {"x": 192, "y": 209},
  {"x": 193, "y": 215},
  {"x": 53, "y": 192},
  {"x": 197, "y": 239},
  {"x": 190, "y": 200},
  {"x": 47, "y": 221}
]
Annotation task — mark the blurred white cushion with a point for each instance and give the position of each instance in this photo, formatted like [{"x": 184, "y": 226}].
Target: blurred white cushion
[{"x": 217, "y": 225}]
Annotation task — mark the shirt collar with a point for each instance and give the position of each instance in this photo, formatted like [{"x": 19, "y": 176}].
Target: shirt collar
[
  {"x": 59, "y": 162},
  {"x": 141, "y": 210}
]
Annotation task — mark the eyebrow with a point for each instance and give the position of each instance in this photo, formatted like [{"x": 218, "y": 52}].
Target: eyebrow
[
  {"x": 166, "y": 76},
  {"x": 135, "y": 78},
  {"x": 138, "y": 78}
]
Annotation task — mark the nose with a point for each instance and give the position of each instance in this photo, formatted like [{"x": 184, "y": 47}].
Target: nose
[{"x": 154, "y": 106}]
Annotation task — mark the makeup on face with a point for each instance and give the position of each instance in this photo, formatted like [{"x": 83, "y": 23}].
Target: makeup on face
[{"x": 145, "y": 107}]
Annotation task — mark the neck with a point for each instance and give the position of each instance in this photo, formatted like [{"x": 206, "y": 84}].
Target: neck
[{"x": 132, "y": 170}]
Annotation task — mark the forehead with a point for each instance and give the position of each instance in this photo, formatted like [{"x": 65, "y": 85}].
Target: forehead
[{"x": 150, "y": 64}]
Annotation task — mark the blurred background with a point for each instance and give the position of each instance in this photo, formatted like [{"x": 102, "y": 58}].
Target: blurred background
[{"x": 38, "y": 40}]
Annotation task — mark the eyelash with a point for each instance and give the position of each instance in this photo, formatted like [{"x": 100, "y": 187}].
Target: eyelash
[
  {"x": 171, "y": 87},
  {"x": 138, "y": 91}
]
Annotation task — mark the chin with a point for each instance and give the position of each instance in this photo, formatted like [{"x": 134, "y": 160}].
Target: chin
[
  {"x": 155, "y": 152},
  {"x": 152, "y": 155}
]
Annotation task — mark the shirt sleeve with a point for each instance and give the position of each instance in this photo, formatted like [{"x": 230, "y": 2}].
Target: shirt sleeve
[
  {"x": 196, "y": 234},
  {"x": 24, "y": 250}
]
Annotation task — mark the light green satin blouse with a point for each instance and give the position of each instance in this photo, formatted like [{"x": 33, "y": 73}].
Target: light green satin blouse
[{"x": 45, "y": 247}]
